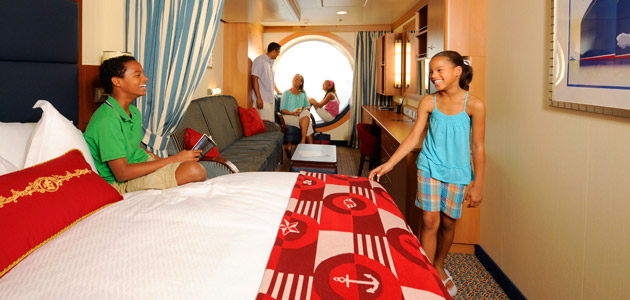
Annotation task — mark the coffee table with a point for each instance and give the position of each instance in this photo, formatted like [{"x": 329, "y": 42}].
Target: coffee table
[{"x": 315, "y": 158}]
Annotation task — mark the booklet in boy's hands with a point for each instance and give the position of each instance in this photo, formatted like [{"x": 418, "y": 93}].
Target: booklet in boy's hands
[{"x": 205, "y": 144}]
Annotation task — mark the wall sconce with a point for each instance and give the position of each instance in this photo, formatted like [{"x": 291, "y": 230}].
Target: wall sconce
[
  {"x": 111, "y": 54},
  {"x": 397, "y": 63},
  {"x": 214, "y": 91},
  {"x": 407, "y": 64}
]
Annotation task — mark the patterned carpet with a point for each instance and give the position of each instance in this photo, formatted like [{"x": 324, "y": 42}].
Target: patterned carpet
[{"x": 471, "y": 278}]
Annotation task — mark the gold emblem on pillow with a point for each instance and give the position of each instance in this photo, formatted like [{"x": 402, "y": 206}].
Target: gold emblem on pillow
[{"x": 43, "y": 185}]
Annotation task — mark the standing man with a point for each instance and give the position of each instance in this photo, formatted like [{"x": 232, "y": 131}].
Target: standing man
[{"x": 263, "y": 81}]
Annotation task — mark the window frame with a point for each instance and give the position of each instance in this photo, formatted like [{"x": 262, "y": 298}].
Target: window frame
[{"x": 331, "y": 39}]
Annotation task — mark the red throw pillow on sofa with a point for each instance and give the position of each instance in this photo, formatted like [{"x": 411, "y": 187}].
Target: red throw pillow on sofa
[
  {"x": 40, "y": 202},
  {"x": 190, "y": 139},
  {"x": 251, "y": 121}
]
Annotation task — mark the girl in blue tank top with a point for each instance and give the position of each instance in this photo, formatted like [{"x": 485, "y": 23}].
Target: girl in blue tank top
[{"x": 444, "y": 163}]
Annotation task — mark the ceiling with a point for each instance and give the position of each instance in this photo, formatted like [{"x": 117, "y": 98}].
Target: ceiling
[{"x": 315, "y": 12}]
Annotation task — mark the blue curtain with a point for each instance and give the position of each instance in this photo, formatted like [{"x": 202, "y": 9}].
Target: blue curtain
[
  {"x": 173, "y": 40},
  {"x": 364, "y": 79}
]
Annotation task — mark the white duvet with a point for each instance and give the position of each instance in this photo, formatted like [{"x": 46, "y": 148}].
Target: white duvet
[{"x": 208, "y": 240}]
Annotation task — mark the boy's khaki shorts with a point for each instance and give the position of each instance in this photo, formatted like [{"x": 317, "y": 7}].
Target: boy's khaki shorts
[{"x": 162, "y": 178}]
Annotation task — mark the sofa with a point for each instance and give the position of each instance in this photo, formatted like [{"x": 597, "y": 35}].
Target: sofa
[{"x": 218, "y": 116}]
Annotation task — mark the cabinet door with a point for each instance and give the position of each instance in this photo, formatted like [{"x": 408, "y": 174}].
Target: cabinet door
[
  {"x": 467, "y": 228},
  {"x": 435, "y": 32},
  {"x": 366, "y": 117},
  {"x": 380, "y": 65},
  {"x": 410, "y": 82}
]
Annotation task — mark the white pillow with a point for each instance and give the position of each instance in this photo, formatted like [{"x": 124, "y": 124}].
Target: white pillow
[
  {"x": 14, "y": 141},
  {"x": 6, "y": 166},
  {"x": 53, "y": 136}
]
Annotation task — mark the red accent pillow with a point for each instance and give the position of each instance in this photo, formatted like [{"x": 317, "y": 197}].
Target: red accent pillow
[
  {"x": 251, "y": 121},
  {"x": 190, "y": 139},
  {"x": 40, "y": 202}
]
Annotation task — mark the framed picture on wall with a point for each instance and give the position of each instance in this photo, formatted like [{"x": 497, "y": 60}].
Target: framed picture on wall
[{"x": 591, "y": 52}]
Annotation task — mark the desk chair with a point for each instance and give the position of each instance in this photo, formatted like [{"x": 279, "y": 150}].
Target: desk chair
[{"x": 369, "y": 144}]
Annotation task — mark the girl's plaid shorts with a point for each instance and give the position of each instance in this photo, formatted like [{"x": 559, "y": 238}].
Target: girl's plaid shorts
[{"x": 440, "y": 196}]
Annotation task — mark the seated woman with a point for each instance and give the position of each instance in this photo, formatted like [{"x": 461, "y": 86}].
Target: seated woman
[
  {"x": 114, "y": 134},
  {"x": 295, "y": 109},
  {"x": 328, "y": 108}
]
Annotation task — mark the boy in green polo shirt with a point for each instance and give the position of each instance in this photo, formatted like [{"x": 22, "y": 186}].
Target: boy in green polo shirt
[{"x": 114, "y": 134}]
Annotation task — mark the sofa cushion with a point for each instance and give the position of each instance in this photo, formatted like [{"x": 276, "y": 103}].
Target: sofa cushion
[
  {"x": 231, "y": 110},
  {"x": 217, "y": 118},
  {"x": 251, "y": 121},
  {"x": 251, "y": 153},
  {"x": 194, "y": 119}
]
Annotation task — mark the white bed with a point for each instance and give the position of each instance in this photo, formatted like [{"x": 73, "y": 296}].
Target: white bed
[
  {"x": 208, "y": 240},
  {"x": 224, "y": 238}
]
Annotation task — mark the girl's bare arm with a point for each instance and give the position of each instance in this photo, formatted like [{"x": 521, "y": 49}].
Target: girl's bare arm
[{"x": 410, "y": 142}]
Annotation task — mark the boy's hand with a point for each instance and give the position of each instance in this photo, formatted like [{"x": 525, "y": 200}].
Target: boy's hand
[{"x": 188, "y": 155}]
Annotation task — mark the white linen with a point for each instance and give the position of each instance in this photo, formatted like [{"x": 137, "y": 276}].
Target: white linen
[
  {"x": 208, "y": 240},
  {"x": 6, "y": 166},
  {"x": 54, "y": 135},
  {"x": 14, "y": 141}
]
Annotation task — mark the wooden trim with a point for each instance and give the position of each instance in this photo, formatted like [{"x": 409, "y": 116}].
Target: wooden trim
[
  {"x": 333, "y": 28},
  {"x": 409, "y": 14},
  {"x": 84, "y": 117},
  {"x": 332, "y": 126},
  {"x": 462, "y": 248},
  {"x": 88, "y": 81},
  {"x": 258, "y": 26},
  {"x": 333, "y": 36}
]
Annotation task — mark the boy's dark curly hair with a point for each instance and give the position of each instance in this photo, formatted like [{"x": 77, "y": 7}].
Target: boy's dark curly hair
[{"x": 113, "y": 67}]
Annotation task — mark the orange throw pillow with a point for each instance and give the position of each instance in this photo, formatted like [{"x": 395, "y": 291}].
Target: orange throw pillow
[
  {"x": 40, "y": 202},
  {"x": 190, "y": 139},
  {"x": 251, "y": 121}
]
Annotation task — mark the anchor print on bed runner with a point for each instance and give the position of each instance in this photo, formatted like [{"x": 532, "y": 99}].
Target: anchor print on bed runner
[{"x": 344, "y": 238}]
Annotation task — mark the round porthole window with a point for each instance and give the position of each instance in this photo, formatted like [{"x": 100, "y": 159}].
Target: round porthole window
[{"x": 317, "y": 58}]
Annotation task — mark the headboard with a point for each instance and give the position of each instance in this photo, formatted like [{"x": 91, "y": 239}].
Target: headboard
[{"x": 39, "y": 57}]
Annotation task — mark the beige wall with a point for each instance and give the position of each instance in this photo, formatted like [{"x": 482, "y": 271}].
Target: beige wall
[
  {"x": 213, "y": 77},
  {"x": 557, "y": 190},
  {"x": 104, "y": 29}
]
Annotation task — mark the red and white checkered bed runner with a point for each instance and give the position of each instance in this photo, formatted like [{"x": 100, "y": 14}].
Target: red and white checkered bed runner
[{"x": 344, "y": 238}]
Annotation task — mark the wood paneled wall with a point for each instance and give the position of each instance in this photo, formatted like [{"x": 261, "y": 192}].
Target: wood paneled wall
[
  {"x": 236, "y": 63},
  {"x": 243, "y": 43}
]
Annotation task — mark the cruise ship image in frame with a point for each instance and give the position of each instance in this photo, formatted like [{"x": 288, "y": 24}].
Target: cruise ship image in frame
[{"x": 605, "y": 33}]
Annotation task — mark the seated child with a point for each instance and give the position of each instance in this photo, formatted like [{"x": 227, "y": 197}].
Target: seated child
[{"x": 114, "y": 134}]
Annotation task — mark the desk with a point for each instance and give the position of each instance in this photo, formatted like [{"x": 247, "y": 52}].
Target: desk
[{"x": 401, "y": 182}]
